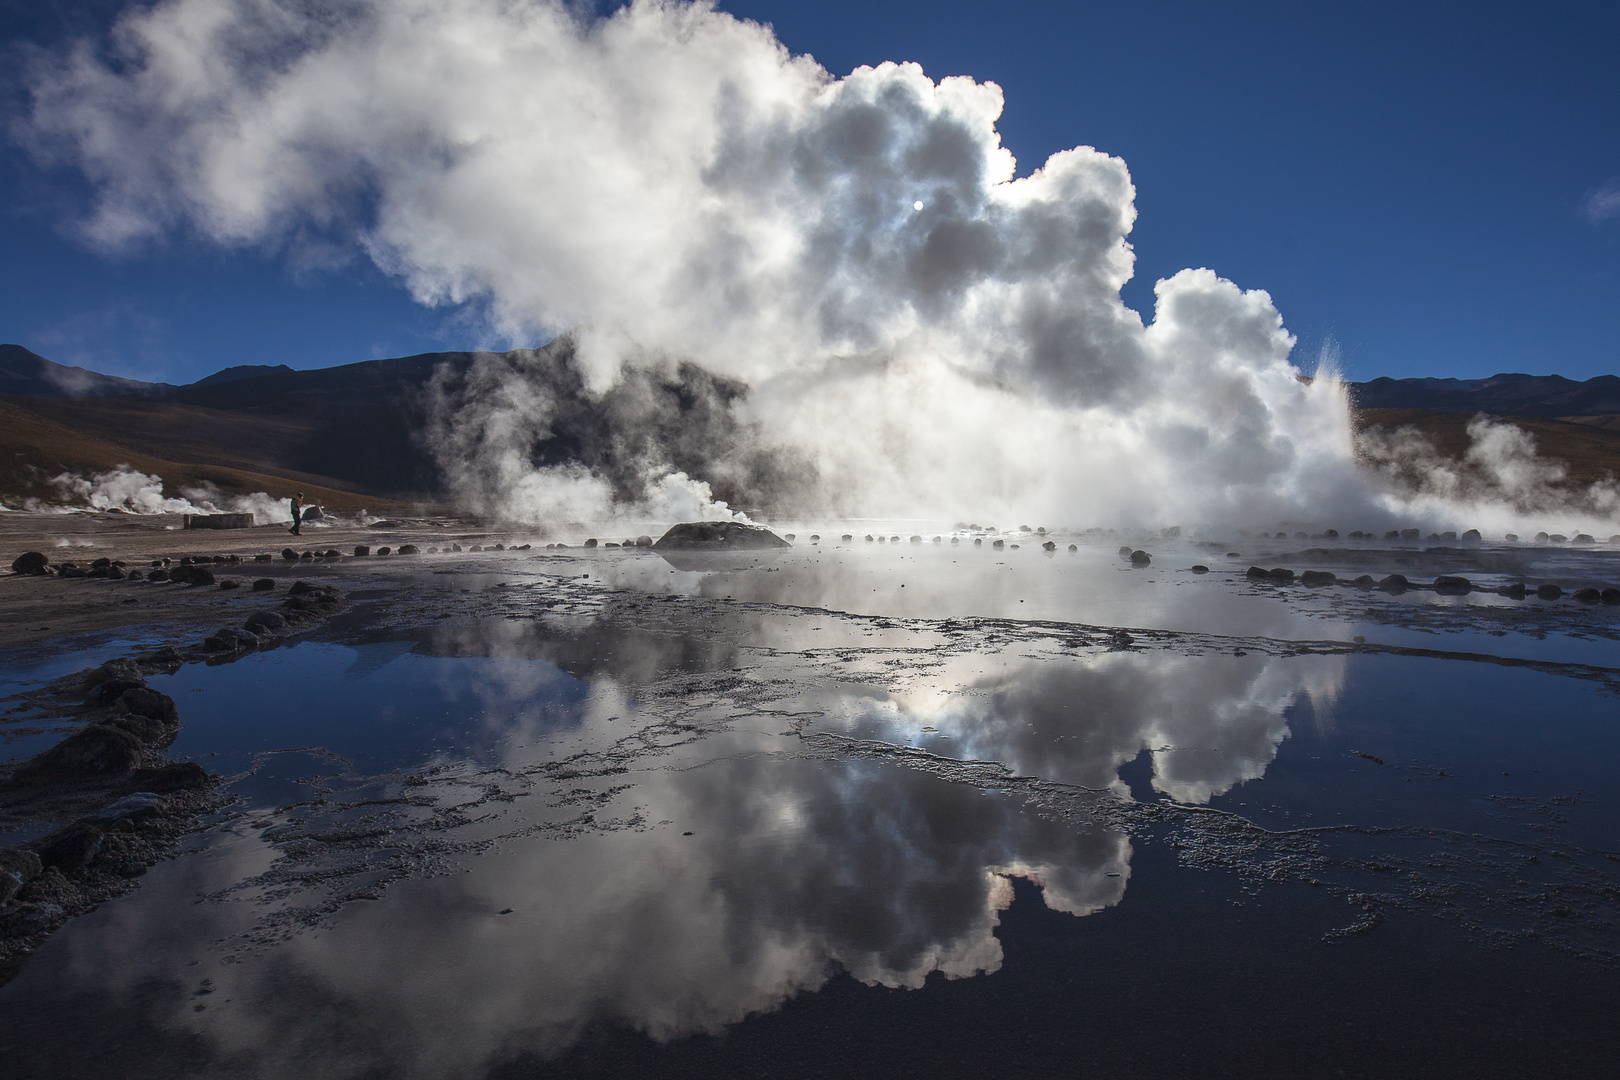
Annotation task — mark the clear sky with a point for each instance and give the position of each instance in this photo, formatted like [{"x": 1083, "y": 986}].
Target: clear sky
[{"x": 1433, "y": 189}]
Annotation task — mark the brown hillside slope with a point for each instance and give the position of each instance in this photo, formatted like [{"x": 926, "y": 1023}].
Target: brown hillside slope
[
  {"x": 173, "y": 442},
  {"x": 1588, "y": 446}
]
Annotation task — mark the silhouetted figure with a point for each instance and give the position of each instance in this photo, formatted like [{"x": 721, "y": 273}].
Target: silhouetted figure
[{"x": 297, "y": 512}]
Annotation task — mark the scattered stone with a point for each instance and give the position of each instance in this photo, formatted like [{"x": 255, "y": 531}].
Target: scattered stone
[
  {"x": 647, "y": 541},
  {"x": 1365, "y": 581},
  {"x": 592, "y": 541},
  {"x": 1410, "y": 534},
  {"x": 31, "y": 562},
  {"x": 384, "y": 551},
  {"x": 409, "y": 549},
  {"x": 230, "y": 583},
  {"x": 264, "y": 584},
  {"x": 1471, "y": 536},
  {"x": 230, "y": 639},
  {"x": 299, "y": 588},
  {"x": 1584, "y": 538},
  {"x": 1549, "y": 592},
  {"x": 1072, "y": 547},
  {"x": 264, "y": 558},
  {"x": 1610, "y": 595},
  {"x": 133, "y": 575},
  {"x": 159, "y": 574},
  {"x": 1318, "y": 577},
  {"x": 70, "y": 848},
  {"x": 261, "y": 622},
  {"x": 192, "y": 575},
  {"x": 176, "y": 776},
  {"x": 998, "y": 544},
  {"x": 289, "y": 554},
  {"x": 1394, "y": 583},
  {"x": 117, "y": 573},
  {"x": 1451, "y": 585},
  {"x": 362, "y": 549},
  {"x": 1281, "y": 575},
  {"x": 167, "y": 656},
  {"x": 68, "y": 570},
  {"x": 111, "y": 690},
  {"x": 1141, "y": 558},
  {"x": 1048, "y": 546},
  {"x": 916, "y": 539},
  {"x": 1587, "y": 595},
  {"x": 1515, "y": 591},
  {"x": 1197, "y": 568},
  {"x": 1257, "y": 573},
  {"x": 1125, "y": 551}
]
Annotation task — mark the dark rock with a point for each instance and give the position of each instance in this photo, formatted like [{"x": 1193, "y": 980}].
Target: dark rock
[
  {"x": 1365, "y": 581},
  {"x": 1258, "y": 573},
  {"x": 111, "y": 690},
  {"x": 264, "y": 584},
  {"x": 31, "y": 562},
  {"x": 1410, "y": 534},
  {"x": 1394, "y": 583},
  {"x": 1125, "y": 551},
  {"x": 1048, "y": 546},
  {"x": 18, "y": 866},
  {"x": 98, "y": 750},
  {"x": 144, "y": 701},
  {"x": 177, "y": 776},
  {"x": 264, "y": 558},
  {"x": 261, "y": 622},
  {"x": 119, "y": 668},
  {"x": 71, "y": 848},
  {"x": 1281, "y": 575},
  {"x": 718, "y": 536},
  {"x": 647, "y": 541},
  {"x": 1558, "y": 538},
  {"x": 307, "y": 555},
  {"x": 137, "y": 807},
  {"x": 492, "y": 547},
  {"x": 1197, "y": 568},
  {"x": 159, "y": 574},
  {"x": 1549, "y": 592},
  {"x": 457, "y": 547},
  {"x": 1584, "y": 538},
  {"x": 164, "y": 657},
  {"x": 102, "y": 563},
  {"x": 67, "y": 570},
  {"x": 1393, "y": 534},
  {"x": 230, "y": 639},
  {"x": 384, "y": 550},
  {"x": 998, "y": 544},
  {"x": 1515, "y": 591},
  {"x": 592, "y": 541},
  {"x": 1318, "y": 577},
  {"x": 1451, "y": 585},
  {"x": 300, "y": 588},
  {"x": 134, "y": 575},
  {"x": 192, "y": 575},
  {"x": 1331, "y": 534},
  {"x": 1471, "y": 536},
  {"x": 1448, "y": 535},
  {"x": 331, "y": 553},
  {"x": 1587, "y": 595},
  {"x": 364, "y": 549},
  {"x": 409, "y": 549},
  {"x": 289, "y": 554},
  {"x": 1610, "y": 596},
  {"x": 1141, "y": 558},
  {"x": 118, "y": 573},
  {"x": 230, "y": 583}
]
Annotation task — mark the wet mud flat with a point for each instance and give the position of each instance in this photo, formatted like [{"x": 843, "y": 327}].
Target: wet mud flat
[{"x": 556, "y": 814}]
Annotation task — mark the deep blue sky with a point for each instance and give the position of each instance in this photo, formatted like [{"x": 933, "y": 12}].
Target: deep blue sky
[{"x": 1407, "y": 180}]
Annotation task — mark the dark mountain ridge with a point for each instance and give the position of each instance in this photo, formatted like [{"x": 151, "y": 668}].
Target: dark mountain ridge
[{"x": 1508, "y": 394}]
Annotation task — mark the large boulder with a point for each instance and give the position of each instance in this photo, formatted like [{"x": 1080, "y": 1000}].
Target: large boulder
[
  {"x": 31, "y": 562},
  {"x": 98, "y": 750},
  {"x": 718, "y": 536},
  {"x": 1451, "y": 585}
]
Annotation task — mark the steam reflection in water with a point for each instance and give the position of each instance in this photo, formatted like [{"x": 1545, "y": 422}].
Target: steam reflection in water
[{"x": 683, "y": 835}]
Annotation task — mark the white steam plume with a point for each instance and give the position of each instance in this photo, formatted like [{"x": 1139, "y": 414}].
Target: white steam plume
[
  {"x": 920, "y": 331},
  {"x": 136, "y": 492}
]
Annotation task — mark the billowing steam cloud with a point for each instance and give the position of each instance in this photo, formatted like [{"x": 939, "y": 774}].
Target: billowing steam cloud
[
  {"x": 136, "y": 492},
  {"x": 918, "y": 330}
]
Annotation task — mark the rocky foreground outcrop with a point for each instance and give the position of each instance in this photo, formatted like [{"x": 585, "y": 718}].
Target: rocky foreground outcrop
[{"x": 718, "y": 537}]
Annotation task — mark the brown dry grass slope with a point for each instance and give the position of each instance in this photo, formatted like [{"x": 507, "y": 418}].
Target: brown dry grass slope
[
  {"x": 41, "y": 438},
  {"x": 1589, "y": 446}
]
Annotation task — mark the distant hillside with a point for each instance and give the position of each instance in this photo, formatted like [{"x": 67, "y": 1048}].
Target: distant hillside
[
  {"x": 30, "y": 375},
  {"x": 241, "y": 371},
  {"x": 1500, "y": 395},
  {"x": 1589, "y": 447}
]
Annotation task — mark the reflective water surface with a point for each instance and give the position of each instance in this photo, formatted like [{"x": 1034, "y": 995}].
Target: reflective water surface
[{"x": 524, "y": 820}]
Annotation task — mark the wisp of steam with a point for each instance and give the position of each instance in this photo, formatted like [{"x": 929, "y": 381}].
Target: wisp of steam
[{"x": 846, "y": 282}]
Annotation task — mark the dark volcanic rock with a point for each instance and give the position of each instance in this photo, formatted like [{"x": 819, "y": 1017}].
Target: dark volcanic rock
[
  {"x": 1587, "y": 595},
  {"x": 264, "y": 584},
  {"x": 362, "y": 549},
  {"x": 110, "y": 691},
  {"x": 409, "y": 549},
  {"x": 1515, "y": 591},
  {"x": 1549, "y": 592},
  {"x": 1258, "y": 573},
  {"x": 71, "y": 848},
  {"x": 159, "y": 574},
  {"x": 300, "y": 588},
  {"x": 1365, "y": 581},
  {"x": 1451, "y": 585},
  {"x": 30, "y": 562},
  {"x": 192, "y": 575},
  {"x": 289, "y": 554},
  {"x": 718, "y": 536},
  {"x": 1197, "y": 568},
  {"x": 1318, "y": 577},
  {"x": 1281, "y": 575},
  {"x": 1610, "y": 596},
  {"x": 1141, "y": 558},
  {"x": 261, "y": 622},
  {"x": 177, "y": 776},
  {"x": 230, "y": 639},
  {"x": 1394, "y": 583},
  {"x": 98, "y": 750}
]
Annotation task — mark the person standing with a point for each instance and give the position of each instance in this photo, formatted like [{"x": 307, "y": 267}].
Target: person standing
[{"x": 297, "y": 513}]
